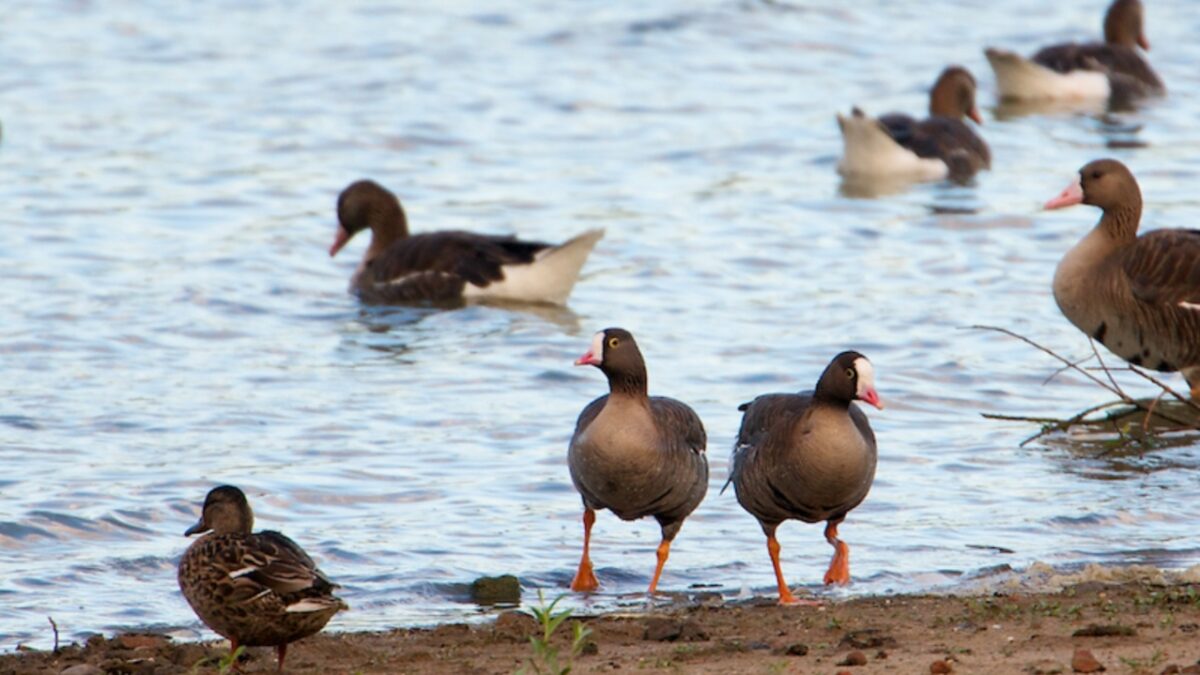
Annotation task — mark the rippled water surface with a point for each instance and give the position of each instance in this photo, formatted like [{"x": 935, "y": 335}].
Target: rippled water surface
[{"x": 171, "y": 319}]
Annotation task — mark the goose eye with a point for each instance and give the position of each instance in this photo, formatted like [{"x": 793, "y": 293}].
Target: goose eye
[
  {"x": 1095, "y": 175},
  {"x": 850, "y": 373},
  {"x": 613, "y": 342}
]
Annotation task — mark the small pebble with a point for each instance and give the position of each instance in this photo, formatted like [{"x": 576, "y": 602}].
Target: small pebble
[
  {"x": 797, "y": 649},
  {"x": 1084, "y": 662},
  {"x": 940, "y": 667},
  {"x": 854, "y": 658}
]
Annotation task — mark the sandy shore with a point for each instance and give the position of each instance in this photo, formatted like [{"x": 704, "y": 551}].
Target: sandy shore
[{"x": 1127, "y": 628}]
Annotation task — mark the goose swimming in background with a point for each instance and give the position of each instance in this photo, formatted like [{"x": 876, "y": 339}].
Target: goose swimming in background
[
  {"x": 450, "y": 266},
  {"x": 939, "y": 146},
  {"x": 1111, "y": 70},
  {"x": 808, "y": 457},
  {"x": 634, "y": 454},
  {"x": 257, "y": 589},
  {"x": 1138, "y": 296}
]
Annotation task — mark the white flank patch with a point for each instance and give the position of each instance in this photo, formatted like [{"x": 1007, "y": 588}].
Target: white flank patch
[
  {"x": 307, "y": 606},
  {"x": 866, "y": 376},
  {"x": 1018, "y": 78},
  {"x": 1194, "y": 306},
  {"x": 868, "y": 150},
  {"x": 549, "y": 278},
  {"x": 242, "y": 572}
]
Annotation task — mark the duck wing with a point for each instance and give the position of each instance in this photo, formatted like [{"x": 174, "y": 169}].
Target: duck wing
[
  {"x": 1163, "y": 268},
  {"x": 466, "y": 256}
]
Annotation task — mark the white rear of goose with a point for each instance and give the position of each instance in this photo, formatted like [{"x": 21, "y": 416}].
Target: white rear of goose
[
  {"x": 549, "y": 278},
  {"x": 1018, "y": 78},
  {"x": 868, "y": 150}
]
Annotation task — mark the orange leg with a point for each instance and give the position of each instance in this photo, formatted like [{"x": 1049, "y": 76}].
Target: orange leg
[
  {"x": 233, "y": 647},
  {"x": 785, "y": 594},
  {"x": 839, "y": 567},
  {"x": 585, "y": 578},
  {"x": 664, "y": 549},
  {"x": 281, "y": 652}
]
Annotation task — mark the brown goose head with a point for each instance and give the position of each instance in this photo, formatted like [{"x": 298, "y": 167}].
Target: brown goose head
[
  {"x": 226, "y": 511},
  {"x": 367, "y": 204},
  {"x": 616, "y": 354},
  {"x": 1124, "y": 24},
  {"x": 848, "y": 377},
  {"x": 953, "y": 95},
  {"x": 1110, "y": 185}
]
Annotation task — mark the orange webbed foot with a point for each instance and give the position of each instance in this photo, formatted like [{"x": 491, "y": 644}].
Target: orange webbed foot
[
  {"x": 839, "y": 568},
  {"x": 585, "y": 579}
]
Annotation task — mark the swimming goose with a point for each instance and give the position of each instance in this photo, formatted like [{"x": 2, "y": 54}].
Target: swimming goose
[
  {"x": 939, "y": 146},
  {"x": 809, "y": 457},
  {"x": 1138, "y": 296},
  {"x": 633, "y": 454},
  {"x": 450, "y": 266},
  {"x": 1112, "y": 69},
  {"x": 256, "y": 589}
]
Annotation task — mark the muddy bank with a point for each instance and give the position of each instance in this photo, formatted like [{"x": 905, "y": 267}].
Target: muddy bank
[{"x": 1126, "y": 628}]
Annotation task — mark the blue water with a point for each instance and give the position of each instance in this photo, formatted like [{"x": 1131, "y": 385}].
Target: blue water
[{"x": 171, "y": 319}]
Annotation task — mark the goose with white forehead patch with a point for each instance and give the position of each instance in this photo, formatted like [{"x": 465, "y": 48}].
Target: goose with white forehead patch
[
  {"x": 1138, "y": 296},
  {"x": 257, "y": 589},
  {"x": 634, "y": 454},
  {"x": 1111, "y": 70},
  {"x": 450, "y": 266},
  {"x": 808, "y": 457}
]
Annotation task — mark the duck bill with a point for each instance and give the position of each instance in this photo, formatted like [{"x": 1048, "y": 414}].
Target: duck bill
[
  {"x": 974, "y": 114},
  {"x": 1069, "y": 197},
  {"x": 196, "y": 529},
  {"x": 339, "y": 240},
  {"x": 588, "y": 359},
  {"x": 871, "y": 397},
  {"x": 1143, "y": 42}
]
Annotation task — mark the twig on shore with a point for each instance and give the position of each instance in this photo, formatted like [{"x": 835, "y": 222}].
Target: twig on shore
[
  {"x": 54, "y": 627},
  {"x": 1108, "y": 383}
]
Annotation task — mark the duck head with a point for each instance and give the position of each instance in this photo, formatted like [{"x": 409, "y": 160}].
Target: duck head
[
  {"x": 953, "y": 95},
  {"x": 849, "y": 377},
  {"x": 225, "y": 511},
  {"x": 1124, "y": 24},
  {"x": 367, "y": 204}
]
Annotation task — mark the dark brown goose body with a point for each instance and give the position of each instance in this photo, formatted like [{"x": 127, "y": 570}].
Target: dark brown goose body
[
  {"x": 450, "y": 266},
  {"x": 256, "y": 589},
  {"x": 809, "y": 457},
  {"x": 634, "y": 454},
  {"x": 797, "y": 459},
  {"x": 944, "y": 137},
  {"x": 1138, "y": 296},
  {"x": 1117, "y": 58}
]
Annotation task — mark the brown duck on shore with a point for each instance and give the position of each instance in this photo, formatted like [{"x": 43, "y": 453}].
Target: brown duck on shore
[
  {"x": 450, "y": 266},
  {"x": 634, "y": 454},
  {"x": 808, "y": 457},
  {"x": 255, "y": 589},
  {"x": 939, "y": 146},
  {"x": 1112, "y": 69},
  {"x": 1138, "y": 296}
]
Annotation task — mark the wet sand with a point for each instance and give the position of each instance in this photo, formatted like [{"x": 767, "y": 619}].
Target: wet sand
[{"x": 1128, "y": 628}]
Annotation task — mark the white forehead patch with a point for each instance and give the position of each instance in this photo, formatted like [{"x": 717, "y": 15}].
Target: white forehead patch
[
  {"x": 597, "y": 350},
  {"x": 866, "y": 375}
]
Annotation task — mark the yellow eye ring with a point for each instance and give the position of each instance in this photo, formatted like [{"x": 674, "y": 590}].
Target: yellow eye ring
[
  {"x": 613, "y": 342},
  {"x": 850, "y": 373}
]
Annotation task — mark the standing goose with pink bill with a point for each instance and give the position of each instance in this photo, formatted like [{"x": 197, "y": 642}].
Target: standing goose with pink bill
[
  {"x": 808, "y": 457},
  {"x": 451, "y": 266},
  {"x": 1138, "y": 296},
  {"x": 634, "y": 454}
]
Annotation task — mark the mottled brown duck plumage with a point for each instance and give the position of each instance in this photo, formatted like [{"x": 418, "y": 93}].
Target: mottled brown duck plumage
[{"x": 255, "y": 589}]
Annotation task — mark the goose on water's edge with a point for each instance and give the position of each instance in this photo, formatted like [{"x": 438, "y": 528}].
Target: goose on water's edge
[
  {"x": 1112, "y": 70},
  {"x": 1138, "y": 296},
  {"x": 897, "y": 145},
  {"x": 451, "y": 265},
  {"x": 809, "y": 457},
  {"x": 634, "y": 454},
  {"x": 257, "y": 589}
]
